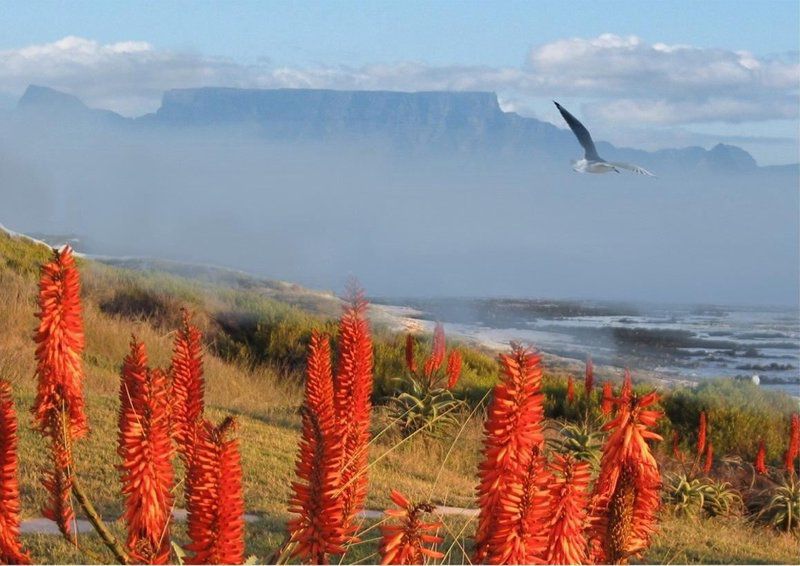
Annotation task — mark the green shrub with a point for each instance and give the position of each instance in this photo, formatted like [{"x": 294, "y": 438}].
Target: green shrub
[{"x": 739, "y": 414}]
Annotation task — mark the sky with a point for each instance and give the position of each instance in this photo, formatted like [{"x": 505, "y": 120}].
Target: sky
[{"x": 648, "y": 75}]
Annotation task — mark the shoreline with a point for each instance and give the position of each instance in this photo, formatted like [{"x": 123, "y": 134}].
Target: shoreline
[{"x": 409, "y": 320}]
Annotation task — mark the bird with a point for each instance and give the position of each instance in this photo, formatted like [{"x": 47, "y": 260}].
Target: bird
[{"x": 592, "y": 162}]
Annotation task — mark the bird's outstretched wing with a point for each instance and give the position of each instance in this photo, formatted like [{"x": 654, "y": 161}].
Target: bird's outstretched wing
[
  {"x": 634, "y": 168},
  {"x": 580, "y": 131}
]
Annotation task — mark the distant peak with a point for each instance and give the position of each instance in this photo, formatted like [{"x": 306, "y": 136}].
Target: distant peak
[
  {"x": 36, "y": 95},
  {"x": 731, "y": 156}
]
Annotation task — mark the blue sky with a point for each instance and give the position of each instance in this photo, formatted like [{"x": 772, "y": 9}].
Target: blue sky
[
  {"x": 507, "y": 47},
  {"x": 336, "y": 32}
]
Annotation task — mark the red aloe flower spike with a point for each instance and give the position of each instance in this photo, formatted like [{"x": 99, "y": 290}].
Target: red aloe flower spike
[
  {"x": 793, "y": 449},
  {"x": 57, "y": 479},
  {"x": 607, "y": 404},
  {"x": 709, "y": 458},
  {"x": 760, "y": 464},
  {"x": 454, "y": 363},
  {"x": 570, "y": 390},
  {"x": 411, "y": 541},
  {"x": 513, "y": 437},
  {"x": 627, "y": 492},
  {"x": 411, "y": 361},
  {"x": 10, "y": 545},
  {"x": 520, "y": 535},
  {"x": 214, "y": 498},
  {"x": 318, "y": 529},
  {"x": 58, "y": 410},
  {"x": 627, "y": 387},
  {"x": 59, "y": 346},
  {"x": 588, "y": 381},
  {"x": 146, "y": 450},
  {"x": 230, "y": 539},
  {"x": 701, "y": 433},
  {"x": 676, "y": 450},
  {"x": 188, "y": 384},
  {"x": 569, "y": 494},
  {"x": 353, "y": 404},
  {"x": 436, "y": 358}
]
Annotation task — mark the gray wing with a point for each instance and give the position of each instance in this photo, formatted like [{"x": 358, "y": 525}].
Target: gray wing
[
  {"x": 581, "y": 133},
  {"x": 631, "y": 167}
]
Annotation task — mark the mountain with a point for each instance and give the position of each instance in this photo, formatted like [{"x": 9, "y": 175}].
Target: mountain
[
  {"x": 418, "y": 122},
  {"x": 43, "y": 103}
]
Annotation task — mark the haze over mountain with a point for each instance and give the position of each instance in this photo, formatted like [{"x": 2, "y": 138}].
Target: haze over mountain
[
  {"x": 416, "y": 122},
  {"x": 429, "y": 193}
]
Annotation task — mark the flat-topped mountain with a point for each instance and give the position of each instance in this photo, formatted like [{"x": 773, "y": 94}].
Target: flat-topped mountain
[{"x": 419, "y": 122}]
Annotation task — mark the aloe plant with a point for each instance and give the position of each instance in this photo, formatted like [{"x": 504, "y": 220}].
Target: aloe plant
[
  {"x": 583, "y": 441},
  {"x": 417, "y": 407},
  {"x": 692, "y": 496},
  {"x": 780, "y": 506}
]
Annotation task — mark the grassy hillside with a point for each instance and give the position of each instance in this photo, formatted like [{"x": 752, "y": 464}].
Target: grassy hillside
[{"x": 256, "y": 335}]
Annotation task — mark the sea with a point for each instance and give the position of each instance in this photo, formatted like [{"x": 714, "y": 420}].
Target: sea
[{"x": 682, "y": 342}]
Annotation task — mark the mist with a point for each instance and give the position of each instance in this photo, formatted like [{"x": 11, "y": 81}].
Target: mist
[{"x": 406, "y": 223}]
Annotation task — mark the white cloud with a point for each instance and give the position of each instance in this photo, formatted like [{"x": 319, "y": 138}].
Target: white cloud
[
  {"x": 612, "y": 65},
  {"x": 625, "y": 78}
]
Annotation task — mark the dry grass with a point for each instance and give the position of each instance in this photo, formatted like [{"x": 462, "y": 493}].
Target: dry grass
[{"x": 720, "y": 541}]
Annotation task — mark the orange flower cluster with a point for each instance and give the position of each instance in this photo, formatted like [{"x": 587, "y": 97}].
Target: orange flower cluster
[
  {"x": 454, "y": 363},
  {"x": 59, "y": 346},
  {"x": 512, "y": 492},
  {"x": 145, "y": 447},
  {"x": 569, "y": 492},
  {"x": 352, "y": 398},
  {"x": 626, "y": 392},
  {"x": 760, "y": 464},
  {"x": 58, "y": 410},
  {"x": 702, "y": 430},
  {"x": 412, "y": 540},
  {"x": 607, "y": 403},
  {"x": 411, "y": 361},
  {"x": 676, "y": 446},
  {"x": 10, "y": 546},
  {"x": 570, "y": 390},
  {"x": 57, "y": 481},
  {"x": 214, "y": 498},
  {"x": 188, "y": 385},
  {"x": 435, "y": 361},
  {"x": 793, "y": 449},
  {"x": 709, "y": 461},
  {"x": 626, "y": 496},
  {"x": 317, "y": 529},
  {"x": 333, "y": 454},
  {"x": 588, "y": 380},
  {"x": 436, "y": 358}
]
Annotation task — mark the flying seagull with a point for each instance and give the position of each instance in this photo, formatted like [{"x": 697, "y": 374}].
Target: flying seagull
[{"x": 592, "y": 162}]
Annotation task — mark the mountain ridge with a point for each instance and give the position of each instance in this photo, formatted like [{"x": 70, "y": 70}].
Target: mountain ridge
[{"x": 420, "y": 122}]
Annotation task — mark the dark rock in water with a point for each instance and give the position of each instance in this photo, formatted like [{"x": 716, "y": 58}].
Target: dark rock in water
[{"x": 774, "y": 366}]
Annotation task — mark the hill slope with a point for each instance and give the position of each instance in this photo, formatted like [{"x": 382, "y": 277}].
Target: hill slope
[{"x": 261, "y": 386}]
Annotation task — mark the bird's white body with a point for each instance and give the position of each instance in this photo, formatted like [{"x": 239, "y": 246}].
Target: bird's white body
[
  {"x": 592, "y": 162},
  {"x": 586, "y": 166}
]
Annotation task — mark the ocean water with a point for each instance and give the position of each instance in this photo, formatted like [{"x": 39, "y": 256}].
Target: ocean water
[{"x": 681, "y": 341}]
